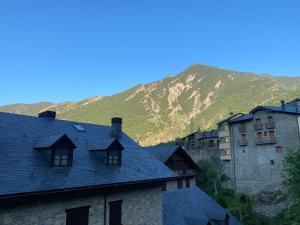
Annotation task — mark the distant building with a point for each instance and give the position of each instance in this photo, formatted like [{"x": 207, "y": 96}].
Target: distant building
[
  {"x": 225, "y": 146},
  {"x": 259, "y": 141},
  {"x": 202, "y": 145}
]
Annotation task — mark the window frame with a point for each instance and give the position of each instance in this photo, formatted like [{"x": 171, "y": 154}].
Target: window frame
[
  {"x": 68, "y": 159},
  {"x": 114, "y": 161}
]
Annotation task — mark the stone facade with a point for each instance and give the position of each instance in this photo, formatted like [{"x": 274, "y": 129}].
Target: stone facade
[
  {"x": 202, "y": 145},
  {"x": 139, "y": 207},
  {"x": 259, "y": 147}
]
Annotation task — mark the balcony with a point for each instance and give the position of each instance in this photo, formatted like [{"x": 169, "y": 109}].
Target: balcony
[
  {"x": 243, "y": 142},
  {"x": 270, "y": 125},
  {"x": 212, "y": 145},
  {"x": 186, "y": 172},
  {"x": 265, "y": 141},
  {"x": 258, "y": 126},
  {"x": 242, "y": 129}
]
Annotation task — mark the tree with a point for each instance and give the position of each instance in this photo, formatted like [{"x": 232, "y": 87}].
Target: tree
[{"x": 292, "y": 182}]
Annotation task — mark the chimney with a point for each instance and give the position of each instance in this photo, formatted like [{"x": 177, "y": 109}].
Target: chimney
[
  {"x": 231, "y": 114},
  {"x": 47, "y": 114},
  {"x": 282, "y": 104},
  {"x": 116, "y": 127}
]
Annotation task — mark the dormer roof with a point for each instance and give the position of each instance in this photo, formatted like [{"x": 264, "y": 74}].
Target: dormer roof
[{"x": 54, "y": 140}]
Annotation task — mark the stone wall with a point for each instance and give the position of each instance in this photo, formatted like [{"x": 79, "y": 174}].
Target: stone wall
[
  {"x": 257, "y": 168},
  {"x": 139, "y": 207}
]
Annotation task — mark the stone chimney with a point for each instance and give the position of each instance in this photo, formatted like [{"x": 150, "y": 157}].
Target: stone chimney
[
  {"x": 47, "y": 114},
  {"x": 116, "y": 127},
  {"x": 231, "y": 114},
  {"x": 282, "y": 104}
]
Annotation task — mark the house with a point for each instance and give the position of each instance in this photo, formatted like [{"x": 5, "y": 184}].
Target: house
[
  {"x": 176, "y": 159},
  {"x": 62, "y": 172},
  {"x": 260, "y": 141},
  {"x": 187, "y": 204},
  {"x": 225, "y": 146},
  {"x": 202, "y": 145}
]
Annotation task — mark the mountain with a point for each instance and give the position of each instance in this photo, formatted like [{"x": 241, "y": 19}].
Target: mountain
[{"x": 160, "y": 111}]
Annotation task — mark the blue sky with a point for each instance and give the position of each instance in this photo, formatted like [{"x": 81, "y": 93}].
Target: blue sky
[{"x": 60, "y": 50}]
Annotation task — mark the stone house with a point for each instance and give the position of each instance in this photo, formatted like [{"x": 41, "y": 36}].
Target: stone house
[
  {"x": 62, "y": 172},
  {"x": 260, "y": 140},
  {"x": 202, "y": 145},
  {"x": 56, "y": 172}
]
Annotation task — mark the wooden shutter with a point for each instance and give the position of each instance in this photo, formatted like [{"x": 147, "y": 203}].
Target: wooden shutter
[
  {"x": 115, "y": 213},
  {"x": 78, "y": 216}
]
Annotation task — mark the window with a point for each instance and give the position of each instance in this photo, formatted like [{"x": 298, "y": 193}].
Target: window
[
  {"x": 272, "y": 162},
  {"x": 114, "y": 157},
  {"x": 225, "y": 127},
  {"x": 78, "y": 216},
  {"x": 279, "y": 149},
  {"x": 187, "y": 182},
  {"x": 61, "y": 157},
  {"x": 270, "y": 122},
  {"x": 179, "y": 184},
  {"x": 259, "y": 137},
  {"x": 258, "y": 124},
  {"x": 227, "y": 139},
  {"x": 272, "y": 136},
  {"x": 115, "y": 213}
]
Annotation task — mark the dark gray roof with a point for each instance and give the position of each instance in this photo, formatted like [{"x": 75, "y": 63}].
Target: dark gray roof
[
  {"x": 192, "y": 206},
  {"x": 210, "y": 134},
  {"x": 162, "y": 152},
  {"x": 23, "y": 169},
  {"x": 245, "y": 117},
  {"x": 230, "y": 118},
  {"x": 287, "y": 109}
]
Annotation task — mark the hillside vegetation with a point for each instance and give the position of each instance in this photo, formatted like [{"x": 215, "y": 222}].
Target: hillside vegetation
[{"x": 160, "y": 111}]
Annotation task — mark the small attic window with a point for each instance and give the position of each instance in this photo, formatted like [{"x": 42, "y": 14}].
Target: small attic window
[
  {"x": 61, "y": 157},
  {"x": 78, "y": 127},
  {"x": 114, "y": 157}
]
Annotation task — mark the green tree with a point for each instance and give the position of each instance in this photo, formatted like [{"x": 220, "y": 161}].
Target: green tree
[{"x": 292, "y": 182}]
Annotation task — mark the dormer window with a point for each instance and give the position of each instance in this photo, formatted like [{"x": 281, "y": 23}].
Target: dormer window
[
  {"x": 113, "y": 149},
  {"x": 58, "y": 149},
  {"x": 61, "y": 157},
  {"x": 114, "y": 157}
]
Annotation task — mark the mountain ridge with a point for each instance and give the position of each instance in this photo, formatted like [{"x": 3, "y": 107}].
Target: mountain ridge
[{"x": 171, "y": 107}]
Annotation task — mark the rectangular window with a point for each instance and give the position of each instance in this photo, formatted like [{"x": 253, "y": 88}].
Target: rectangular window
[
  {"x": 179, "y": 184},
  {"x": 270, "y": 122},
  {"x": 279, "y": 149},
  {"x": 272, "y": 136},
  {"x": 259, "y": 137},
  {"x": 61, "y": 157},
  {"x": 227, "y": 140},
  {"x": 258, "y": 124},
  {"x": 115, "y": 213},
  {"x": 187, "y": 182},
  {"x": 78, "y": 216},
  {"x": 113, "y": 157}
]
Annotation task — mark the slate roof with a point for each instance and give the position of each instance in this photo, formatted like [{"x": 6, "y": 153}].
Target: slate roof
[
  {"x": 287, "y": 109},
  {"x": 24, "y": 170},
  {"x": 192, "y": 206},
  {"x": 230, "y": 118},
  {"x": 245, "y": 117},
  {"x": 163, "y": 152},
  {"x": 210, "y": 134}
]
